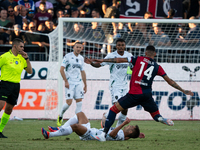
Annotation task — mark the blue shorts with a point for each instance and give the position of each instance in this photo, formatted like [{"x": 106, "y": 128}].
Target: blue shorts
[{"x": 145, "y": 100}]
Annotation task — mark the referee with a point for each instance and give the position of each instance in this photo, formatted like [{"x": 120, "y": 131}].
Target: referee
[{"x": 12, "y": 64}]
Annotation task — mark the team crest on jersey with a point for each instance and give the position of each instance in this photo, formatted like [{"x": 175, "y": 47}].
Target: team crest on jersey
[{"x": 16, "y": 62}]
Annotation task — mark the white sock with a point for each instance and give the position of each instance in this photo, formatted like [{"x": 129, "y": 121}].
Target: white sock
[
  {"x": 71, "y": 121},
  {"x": 62, "y": 131},
  {"x": 78, "y": 107},
  {"x": 65, "y": 107},
  {"x": 120, "y": 119},
  {"x": 106, "y": 114}
]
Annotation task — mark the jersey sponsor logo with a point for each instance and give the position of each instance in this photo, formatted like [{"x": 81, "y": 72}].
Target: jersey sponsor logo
[
  {"x": 16, "y": 62},
  {"x": 118, "y": 66},
  {"x": 68, "y": 95},
  {"x": 141, "y": 83},
  {"x": 76, "y": 66},
  {"x": 76, "y": 60},
  {"x": 116, "y": 97}
]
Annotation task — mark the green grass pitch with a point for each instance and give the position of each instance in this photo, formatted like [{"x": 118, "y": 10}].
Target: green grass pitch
[{"x": 26, "y": 134}]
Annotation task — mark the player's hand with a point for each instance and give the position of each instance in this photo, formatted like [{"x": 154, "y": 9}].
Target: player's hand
[
  {"x": 141, "y": 135},
  {"x": 85, "y": 89},
  {"x": 88, "y": 60},
  {"x": 127, "y": 121},
  {"x": 67, "y": 84},
  {"x": 98, "y": 60},
  {"x": 187, "y": 92}
]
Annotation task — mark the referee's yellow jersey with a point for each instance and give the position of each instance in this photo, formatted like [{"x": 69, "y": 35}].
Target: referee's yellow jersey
[{"x": 12, "y": 67}]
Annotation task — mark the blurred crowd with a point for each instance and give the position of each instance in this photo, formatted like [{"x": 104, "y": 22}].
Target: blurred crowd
[{"x": 42, "y": 17}]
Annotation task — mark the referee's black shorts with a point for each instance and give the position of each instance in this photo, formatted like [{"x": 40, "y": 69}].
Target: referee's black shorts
[{"x": 9, "y": 92}]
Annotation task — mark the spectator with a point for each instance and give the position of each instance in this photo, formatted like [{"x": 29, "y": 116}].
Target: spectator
[
  {"x": 74, "y": 12},
  {"x": 96, "y": 14},
  {"x": 171, "y": 29},
  {"x": 16, "y": 10},
  {"x": 192, "y": 7},
  {"x": 49, "y": 26},
  {"x": 7, "y": 3},
  {"x": 25, "y": 18},
  {"x": 4, "y": 37},
  {"x": 59, "y": 14},
  {"x": 41, "y": 16},
  {"x": 159, "y": 38},
  {"x": 51, "y": 12},
  {"x": 29, "y": 4},
  {"x": 41, "y": 28},
  {"x": 17, "y": 34},
  {"x": 3, "y": 19},
  {"x": 49, "y": 5},
  {"x": 31, "y": 37},
  {"x": 148, "y": 15},
  {"x": 193, "y": 35},
  {"x": 25, "y": 26},
  {"x": 87, "y": 7},
  {"x": 102, "y": 6},
  {"x": 30, "y": 14},
  {"x": 11, "y": 16},
  {"x": 63, "y": 6}
]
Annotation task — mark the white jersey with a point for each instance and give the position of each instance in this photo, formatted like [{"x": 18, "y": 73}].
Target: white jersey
[
  {"x": 73, "y": 67},
  {"x": 95, "y": 131},
  {"x": 118, "y": 71}
]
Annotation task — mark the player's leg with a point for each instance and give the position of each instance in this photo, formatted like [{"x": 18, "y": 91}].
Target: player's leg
[
  {"x": 69, "y": 93},
  {"x": 149, "y": 105},
  {"x": 78, "y": 128},
  {"x": 123, "y": 113},
  {"x": 78, "y": 96}
]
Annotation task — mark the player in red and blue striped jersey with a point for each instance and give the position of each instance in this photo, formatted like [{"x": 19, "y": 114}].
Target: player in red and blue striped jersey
[{"x": 140, "y": 93}]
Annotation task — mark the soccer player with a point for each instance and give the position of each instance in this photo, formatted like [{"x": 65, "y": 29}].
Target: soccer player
[
  {"x": 73, "y": 64},
  {"x": 118, "y": 75},
  {"x": 12, "y": 64},
  {"x": 140, "y": 93},
  {"x": 81, "y": 126}
]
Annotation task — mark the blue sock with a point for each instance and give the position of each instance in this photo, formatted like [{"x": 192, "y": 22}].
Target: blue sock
[
  {"x": 156, "y": 117},
  {"x": 109, "y": 121}
]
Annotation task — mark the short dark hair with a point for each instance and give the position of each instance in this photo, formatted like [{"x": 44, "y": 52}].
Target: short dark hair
[
  {"x": 172, "y": 12},
  {"x": 150, "y": 48},
  {"x": 96, "y": 9},
  {"x": 43, "y": 3},
  {"x": 78, "y": 43},
  {"x": 120, "y": 40},
  {"x": 135, "y": 133},
  {"x": 16, "y": 41}
]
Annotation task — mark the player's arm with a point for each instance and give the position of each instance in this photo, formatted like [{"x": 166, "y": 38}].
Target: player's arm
[
  {"x": 112, "y": 60},
  {"x": 114, "y": 132},
  {"x": 83, "y": 74},
  {"x": 89, "y": 61},
  {"x": 176, "y": 86},
  {"x": 62, "y": 72}
]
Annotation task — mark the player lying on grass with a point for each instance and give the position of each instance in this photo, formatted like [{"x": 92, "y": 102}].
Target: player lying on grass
[
  {"x": 81, "y": 126},
  {"x": 140, "y": 92}
]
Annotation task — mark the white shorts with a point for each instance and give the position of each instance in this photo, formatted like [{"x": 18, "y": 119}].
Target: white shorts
[
  {"x": 75, "y": 91},
  {"x": 90, "y": 130},
  {"x": 117, "y": 93}
]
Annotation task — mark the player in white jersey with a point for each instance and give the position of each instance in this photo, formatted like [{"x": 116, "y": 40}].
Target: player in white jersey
[
  {"x": 73, "y": 74},
  {"x": 118, "y": 75},
  {"x": 81, "y": 126}
]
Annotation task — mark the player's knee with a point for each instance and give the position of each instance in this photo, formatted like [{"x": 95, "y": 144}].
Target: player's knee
[{"x": 69, "y": 102}]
